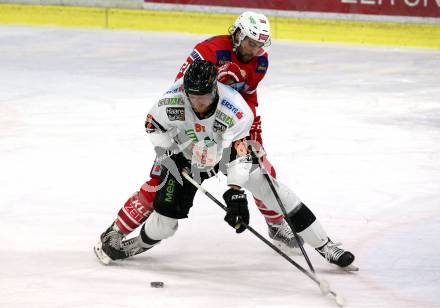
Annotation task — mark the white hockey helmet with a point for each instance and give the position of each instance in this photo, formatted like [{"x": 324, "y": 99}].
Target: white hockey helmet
[{"x": 253, "y": 25}]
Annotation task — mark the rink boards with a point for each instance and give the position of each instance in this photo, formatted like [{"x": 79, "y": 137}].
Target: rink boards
[{"x": 289, "y": 28}]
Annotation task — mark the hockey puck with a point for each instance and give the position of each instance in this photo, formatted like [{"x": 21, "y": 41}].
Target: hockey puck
[{"x": 157, "y": 284}]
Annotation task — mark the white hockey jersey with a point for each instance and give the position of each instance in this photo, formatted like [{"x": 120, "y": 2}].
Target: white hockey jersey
[{"x": 203, "y": 141}]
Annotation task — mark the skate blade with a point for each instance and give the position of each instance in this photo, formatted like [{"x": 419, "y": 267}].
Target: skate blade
[
  {"x": 351, "y": 268},
  {"x": 100, "y": 254},
  {"x": 287, "y": 249}
]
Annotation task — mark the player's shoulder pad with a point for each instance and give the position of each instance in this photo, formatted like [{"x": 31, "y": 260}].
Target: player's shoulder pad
[
  {"x": 175, "y": 89},
  {"x": 218, "y": 40},
  {"x": 171, "y": 105},
  {"x": 232, "y": 109},
  {"x": 209, "y": 50}
]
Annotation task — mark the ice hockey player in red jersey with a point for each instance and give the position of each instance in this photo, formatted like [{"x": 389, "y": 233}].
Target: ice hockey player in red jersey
[{"x": 242, "y": 62}]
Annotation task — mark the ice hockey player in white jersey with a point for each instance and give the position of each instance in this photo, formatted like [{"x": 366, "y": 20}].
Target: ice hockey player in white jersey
[
  {"x": 200, "y": 121},
  {"x": 205, "y": 124}
]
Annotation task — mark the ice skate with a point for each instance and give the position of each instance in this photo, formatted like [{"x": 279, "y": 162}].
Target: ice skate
[
  {"x": 110, "y": 245},
  {"x": 283, "y": 235},
  {"x": 335, "y": 255},
  {"x": 134, "y": 246},
  {"x": 100, "y": 254}
]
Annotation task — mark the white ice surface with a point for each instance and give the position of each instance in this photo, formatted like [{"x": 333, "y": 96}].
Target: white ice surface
[{"x": 354, "y": 130}]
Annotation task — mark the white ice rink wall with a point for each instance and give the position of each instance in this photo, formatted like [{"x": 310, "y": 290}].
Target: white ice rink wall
[{"x": 414, "y": 23}]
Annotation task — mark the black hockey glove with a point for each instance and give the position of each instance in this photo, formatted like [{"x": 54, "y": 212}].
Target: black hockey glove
[{"x": 237, "y": 210}]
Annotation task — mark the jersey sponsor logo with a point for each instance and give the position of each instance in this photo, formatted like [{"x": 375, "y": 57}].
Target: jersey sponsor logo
[
  {"x": 229, "y": 121},
  {"x": 238, "y": 113},
  {"x": 199, "y": 128},
  {"x": 175, "y": 90},
  {"x": 192, "y": 135},
  {"x": 176, "y": 113},
  {"x": 238, "y": 197},
  {"x": 169, "y": 194},
  {"x": 262, "y": 65},
  {"x": 171, "y": 101},
  {"x": 223, "y": 56},
  {"x": 219, "y": 127}
]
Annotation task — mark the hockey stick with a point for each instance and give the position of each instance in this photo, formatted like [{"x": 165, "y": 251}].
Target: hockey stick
[
  {"x": 283, "y": 209},
  {"x": 323, "y": 284}
]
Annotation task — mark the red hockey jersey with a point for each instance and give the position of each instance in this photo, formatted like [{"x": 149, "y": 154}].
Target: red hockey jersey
[{"x": 218, "y": 50}]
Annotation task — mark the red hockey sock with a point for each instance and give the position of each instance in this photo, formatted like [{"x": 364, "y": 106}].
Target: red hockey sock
[{"x": 137, "y": 208}]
